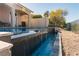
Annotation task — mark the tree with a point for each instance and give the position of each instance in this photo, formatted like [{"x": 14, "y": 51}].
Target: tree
[
  {"x": 57, "y": 18},
  {"x": 46, "y": 14},
  {"x": 75, "y": 27},
  {"x": 69, "y": 26}
]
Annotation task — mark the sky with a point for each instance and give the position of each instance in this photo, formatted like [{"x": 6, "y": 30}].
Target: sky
[{"x": 40, "y": 8}]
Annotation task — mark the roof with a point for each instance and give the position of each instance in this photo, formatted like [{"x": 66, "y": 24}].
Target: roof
[{"x": 24, "y": 7}]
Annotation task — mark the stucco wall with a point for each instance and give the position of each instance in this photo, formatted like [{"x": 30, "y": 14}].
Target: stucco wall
[
  {"x": 4, "y": 13},
  {"x": 25, "y": 19},
  {"x": 22, "y": 18},
  {"x": 39, "y": 22}
]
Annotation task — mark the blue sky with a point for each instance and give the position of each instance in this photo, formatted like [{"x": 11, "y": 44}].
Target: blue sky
[{"x": 40, "y": 8}]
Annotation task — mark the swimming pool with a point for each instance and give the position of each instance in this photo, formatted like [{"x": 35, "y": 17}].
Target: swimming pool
[
  {"x": 41, "y": 45},
  {"x": 15, "y": 30},
  {"x": 50, "y": 47}
]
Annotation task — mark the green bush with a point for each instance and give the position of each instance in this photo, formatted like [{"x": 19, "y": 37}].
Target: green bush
[
  {"x": 37, "y": 16},
  {"x": 75, "y": 27}
]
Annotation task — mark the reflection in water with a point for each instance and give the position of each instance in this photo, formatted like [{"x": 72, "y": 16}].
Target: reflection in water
[{"x": 48, "y": 47}]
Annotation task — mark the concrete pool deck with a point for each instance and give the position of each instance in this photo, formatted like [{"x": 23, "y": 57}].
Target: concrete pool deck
[
  {"x": 5, "y": 33},
  {"x": 70, "y": 43},
  {"x": 5, "y": 45}
]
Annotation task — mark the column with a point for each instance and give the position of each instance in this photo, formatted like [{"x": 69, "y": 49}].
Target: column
[
  {"x": 13, "y": 17},
  {"x": 29, "y": 18},
  {"x": 17, "y": 19}
]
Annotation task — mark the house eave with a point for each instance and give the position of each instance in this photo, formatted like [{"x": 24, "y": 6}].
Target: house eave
[{"x": 24, "y": 7}]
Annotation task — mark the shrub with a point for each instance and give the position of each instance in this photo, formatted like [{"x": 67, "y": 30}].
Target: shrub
[{"x": 37, "y": 16}]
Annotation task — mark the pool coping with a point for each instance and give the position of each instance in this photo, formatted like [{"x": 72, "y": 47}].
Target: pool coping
[
  {"x": 22, "y": 34},
  {"x": 5, "y": 34},
  {"x": 60, "y": 44}
]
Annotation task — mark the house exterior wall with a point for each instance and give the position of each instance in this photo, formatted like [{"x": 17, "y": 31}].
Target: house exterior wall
[
  {"x": 4, "y": 14},
  {"x": 10, "y": 8},
  {"x": 24, "y": 18},
  {"x": 39, "y": 22}
]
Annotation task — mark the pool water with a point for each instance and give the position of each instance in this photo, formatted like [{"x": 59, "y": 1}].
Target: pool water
[
  {"x": 50, "y": 47},
  {"x": 14, "y": 30}
]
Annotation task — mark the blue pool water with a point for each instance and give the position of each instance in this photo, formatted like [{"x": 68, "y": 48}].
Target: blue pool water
[
  {"x": 14, "y": 30},
  {"x": 50, "y": 47}
]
